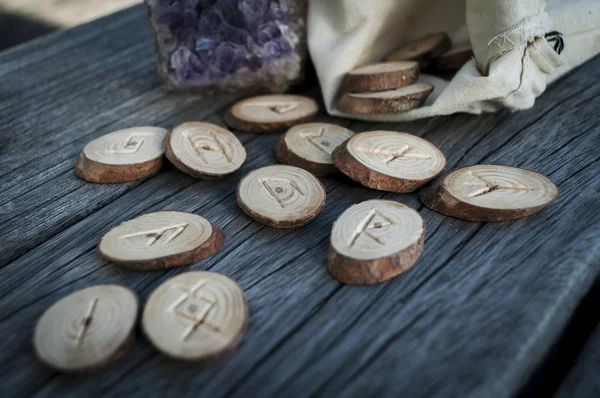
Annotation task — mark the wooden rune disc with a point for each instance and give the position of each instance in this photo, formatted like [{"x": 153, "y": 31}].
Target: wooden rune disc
[
  {"x": 281, "y": 196},
  {"x": 489, "y": 193},
  {"x": 204, "y": 150},
  {"x": 161, "y": 240},
  {"x": 389, "y": 161},
  {"x": 393, "y": 101},
  {"x": 453, "y": 60},
  {"x": 381, "y": 76},
  {"x": 124, "y": 155},
  {"x": 374, "y": 241},
  {"x": 310, "y": 145},
  {"x": 196, "y": 316},
  {"x": 88, "y": 329},
  {"x": 423, "y": 49},
  {"x": 267, "y": 113}
]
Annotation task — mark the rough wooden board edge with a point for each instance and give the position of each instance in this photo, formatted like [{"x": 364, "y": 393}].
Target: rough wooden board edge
[
  {"x": 351, "y": 167},
  {"x": 285, "y": 156},
  {"x": 92, "y": 171},
  {"x": 206, "y": 249},
  {"x": 369, "y": 272}
]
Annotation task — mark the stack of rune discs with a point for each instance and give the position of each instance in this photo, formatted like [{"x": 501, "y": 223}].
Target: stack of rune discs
[{"x": 385, "y": 87}]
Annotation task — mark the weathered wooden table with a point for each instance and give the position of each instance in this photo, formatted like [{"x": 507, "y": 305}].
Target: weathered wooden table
[{"x": 481, "y": 313}]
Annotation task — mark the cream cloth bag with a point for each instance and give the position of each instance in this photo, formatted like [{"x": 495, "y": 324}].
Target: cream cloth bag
[{"x": 513, "y": 61}]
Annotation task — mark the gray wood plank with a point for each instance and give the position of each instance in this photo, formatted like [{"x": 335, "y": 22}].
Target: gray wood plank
[
  {"x": 474, "y": 317},
  {"x": 583, "y": 379}
]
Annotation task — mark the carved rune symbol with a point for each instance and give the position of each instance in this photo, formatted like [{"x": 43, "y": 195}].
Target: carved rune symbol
[
  {"x": 374, "y": 220},
  {"x": 276, "y": 187},
  {"x": 318, "y": 140},
  {"x": 393, "y": 155},
  {"x": 488, "y": 187},
  {"x": 86, "y": 322},
  {"x": 132, "y": 145},
  {"x": 277, "y": 107},
  {"x": 154, "y": 235},
  {"x": 203, "y": 143},
  {"x": 195, "y": 307}
]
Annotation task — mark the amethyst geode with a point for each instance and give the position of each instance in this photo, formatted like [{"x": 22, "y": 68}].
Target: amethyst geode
[{"x": 230, "y": 45}]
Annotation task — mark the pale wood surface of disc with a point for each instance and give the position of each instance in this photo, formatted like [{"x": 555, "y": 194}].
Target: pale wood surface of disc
[
  {"x": 381, "y": 76},
  {"x": 123, "y": 155},
  {"x": 160, "y": 240},
  {"x": 204, "y": 150},
  {"x": 490, "y": 193},
  {"x": 270, "y": 112},
  {"x": 389, "y": 161},
  {"x": 87, "y": 329},
  {"x": 374, "y": 241},
  {"x": 423, "y": 49},
  {"x": 310, "y": 145},
  {"x": 127, "y": 147},
  {"x": 392, "y": 101},
  {"x": 281, "y": 196},
  {"x": 196, "y": 316}
]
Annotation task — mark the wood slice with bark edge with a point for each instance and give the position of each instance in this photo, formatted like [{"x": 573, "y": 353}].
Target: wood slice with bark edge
[
  {"x": 196, "y": 316},
  {"x": 489, "y": 193},
  {"x": 268, "y": 113},
  {"x": 309, "y": 146},
  {"x": 381, "y": 77},
  {"x": 121, "y": 156},
  {"x": 393, "y": 101},
  {"x": 374, "y": 241},
  {"x": 281, "y": 196},
  {"x": 87, "y": 330},
  {"x": 452, "y": 60},
  {"x": 389, "y": 161},
  {"x": 204, "y": 150},
  {"x": 161, "y": 240},
  {"x": 423, "y": 49}
]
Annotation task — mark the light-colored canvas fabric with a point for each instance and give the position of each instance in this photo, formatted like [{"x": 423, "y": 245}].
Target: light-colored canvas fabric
[{"x": 513, "y": 63}]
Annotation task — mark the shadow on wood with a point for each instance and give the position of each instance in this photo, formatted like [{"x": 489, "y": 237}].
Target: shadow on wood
[{"x": 15, "y": 30}]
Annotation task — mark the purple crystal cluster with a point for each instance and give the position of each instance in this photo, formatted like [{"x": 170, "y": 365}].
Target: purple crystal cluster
[{"x": 229, "y": 43}]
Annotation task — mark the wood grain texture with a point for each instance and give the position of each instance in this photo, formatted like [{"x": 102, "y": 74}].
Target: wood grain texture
[
  {"x": 392, "y": 101},
  {"x": 161, "y": 240},
  {"x": 196, "y": 316},
  {"x": 269, "y": 113},
  {"x": 489, "y": 193},
  {"x": 381, "y": 77},
  {"x": 374, "y": 241},
  {"x": 475, "y": 318},
  {"x": 204, "y": 150},
  {"x": 88, "y": 330},
  {"x": 582, "y": 380}
]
